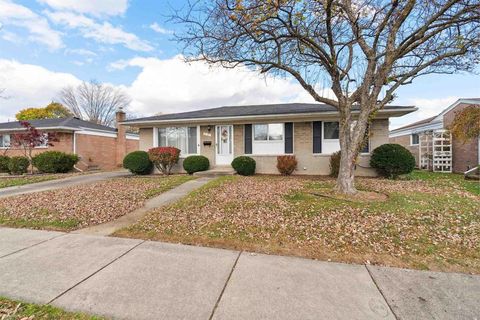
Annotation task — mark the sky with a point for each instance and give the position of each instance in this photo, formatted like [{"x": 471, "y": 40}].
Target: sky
[{"x": 46, "y": 45}]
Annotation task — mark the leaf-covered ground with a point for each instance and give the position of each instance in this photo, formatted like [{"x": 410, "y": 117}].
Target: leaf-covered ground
[
  {"x": 83, "y": 205},
  {"x": 15, "y": 310},
  {"x": 420, "y": 225}
]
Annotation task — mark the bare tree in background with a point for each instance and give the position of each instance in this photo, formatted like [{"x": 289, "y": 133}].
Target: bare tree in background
[
  {"x": 363, "y": 50},
  {"x": 94, "y": 101}
]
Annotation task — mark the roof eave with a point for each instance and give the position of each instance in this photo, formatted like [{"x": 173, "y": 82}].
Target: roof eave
[{"x": 386, "y": 113}]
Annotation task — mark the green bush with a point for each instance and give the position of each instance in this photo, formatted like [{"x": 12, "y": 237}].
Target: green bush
[
  {"x": 4, "y": 163},
  {"x": 54, "y": 162},
  {"x": 335, "y": 164},
  {"x": 244, "y": 165},
  {"x": 391, "y": 160},
  {"x": 18, "y": 165},
  {"x": 193, "y": 164},
  {"x": 138, "y": 162}
]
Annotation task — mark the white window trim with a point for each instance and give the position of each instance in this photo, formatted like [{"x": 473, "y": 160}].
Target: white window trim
[
  {"x": 156, "y": 142},
  {"x": 268, "y": 140},
  {"x": 411, "y": 140}
]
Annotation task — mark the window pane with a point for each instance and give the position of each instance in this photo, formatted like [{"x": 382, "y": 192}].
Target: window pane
[
  {"x": 192, "y": 140},
  {"x": 260, "y": 132},
  {"x": 415, "y": 138},
  {"x": 176, "y": 137},
  {"x": 275, "y": 131},
  {"x": 331, "y": 130},
  {"x": 162, "y": 137}
]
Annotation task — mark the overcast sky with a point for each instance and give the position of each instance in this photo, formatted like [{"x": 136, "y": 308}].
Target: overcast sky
[{"x": 48, "y": 44}]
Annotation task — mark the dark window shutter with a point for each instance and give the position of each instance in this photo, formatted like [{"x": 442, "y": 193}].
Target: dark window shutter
[
  {"x": 248, "y": 138},
  {"x": 289, "y": 137},
  {"x": 317, "y": 137}
]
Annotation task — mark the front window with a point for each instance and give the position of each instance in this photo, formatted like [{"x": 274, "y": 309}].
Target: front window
[
  {"x": 268, "y": 132},
  {"x": 415, "y": 139},
  {"x": 4, "y": 140},
  {"x": 331, "y": 130},
  {"x": 183, "y": 138}
]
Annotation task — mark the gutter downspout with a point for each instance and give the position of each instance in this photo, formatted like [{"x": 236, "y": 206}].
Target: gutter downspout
[{"x": 75, "y": 149}]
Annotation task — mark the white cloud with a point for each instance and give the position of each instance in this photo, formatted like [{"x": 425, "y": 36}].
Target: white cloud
[
  {"x": 426, "y": 108},
  {"x": 15, "y": 15},
  {"x": 29, "y": 86},
  {"x": 101, "y": 32},
  {"x": 157, "y": 28},
  {"x": 80, "y": 52},
  {"x": 172, "y": 85},
  {"x": 94, "y": 7}
]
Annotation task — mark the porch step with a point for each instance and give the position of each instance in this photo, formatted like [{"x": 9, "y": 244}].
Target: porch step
[{"x": 216, "y": 172}]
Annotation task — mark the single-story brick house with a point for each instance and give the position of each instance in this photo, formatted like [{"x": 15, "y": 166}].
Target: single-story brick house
[
  {"x": 433, "y": 146},
  {"x": 308, "y": 131},
  {"x": 98, "y": 146}
]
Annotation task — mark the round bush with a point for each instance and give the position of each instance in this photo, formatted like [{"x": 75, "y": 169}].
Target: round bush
[
  {"x": 391, "y": 160},
  {"x": 244, "y": 165},
  {"x": 18, "y": 165},
  {"x": 4, "y": 163},
  {"x": 138, "y": 162},
  {"x": 335, "y": 164},
  {"x": 54, "y": 162},
  {"x": 193, "y": 164}
]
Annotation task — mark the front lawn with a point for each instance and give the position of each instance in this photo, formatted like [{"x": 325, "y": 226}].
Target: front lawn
[
  {"x": 421, "y": 224},
  {"x": 6, "y": 181},
  {"x": 84, "y": 205},
  {"x": 15, "y": 310}
]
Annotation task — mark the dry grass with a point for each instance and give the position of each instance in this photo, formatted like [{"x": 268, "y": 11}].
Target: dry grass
[
  {"x": 420, "y": 225},
  {"x": 83, "y": 205}
]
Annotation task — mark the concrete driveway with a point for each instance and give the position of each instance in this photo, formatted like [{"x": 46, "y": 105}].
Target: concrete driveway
[
  {"x": 61, "y": 183},
  {"x": 135, "y": 279}
]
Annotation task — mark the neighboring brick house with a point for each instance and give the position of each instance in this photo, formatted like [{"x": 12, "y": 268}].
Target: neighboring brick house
[
  {"x": 464, "y": 156},
  {"x": 98, "y": 146},
  {"x": 308, "y": 131}
]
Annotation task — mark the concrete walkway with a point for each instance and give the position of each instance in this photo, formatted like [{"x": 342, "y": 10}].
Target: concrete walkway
[
  {"x": 163, "y": 199},
  {"x": 134, "y": 279},
  {"x": 60, "y": 183}
]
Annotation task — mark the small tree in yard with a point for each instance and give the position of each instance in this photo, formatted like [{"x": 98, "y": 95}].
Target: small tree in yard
[
  {"x": 466, "y": 124},
  {"x": 361, "y": 50},
  {"x": 31, "y": 138},
  {"x": 164, "y": 158}
]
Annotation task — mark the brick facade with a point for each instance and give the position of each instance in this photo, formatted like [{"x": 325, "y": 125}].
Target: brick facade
[
  {"x": 465, "y": 155},
  {"x": 104, "y": 152},
  {"x": 405, "y": 141},
  {"x": 308, "y": 163}
]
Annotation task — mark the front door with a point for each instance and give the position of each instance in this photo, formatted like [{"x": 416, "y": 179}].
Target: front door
[{"x": 224, "y": 144}]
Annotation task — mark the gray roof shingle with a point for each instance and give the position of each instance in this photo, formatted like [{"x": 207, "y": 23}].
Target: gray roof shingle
[
  {"x": 72, "y": 122},
  {"x": 250, "y": 110}
]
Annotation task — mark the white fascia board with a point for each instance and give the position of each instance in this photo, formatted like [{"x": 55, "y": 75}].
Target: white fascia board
[
  {"x": 456, "y": 103},
  {"x": 290, "y": 116},
  {"x": 97, "y": 133},
  {"x": 41, "y": 128},
  {"x": 422, "y": 128}
]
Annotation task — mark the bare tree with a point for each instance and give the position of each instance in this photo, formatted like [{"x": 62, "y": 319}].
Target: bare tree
[
  {"x": 363, "y": 50},
  {"x": 94, "y": 101}
]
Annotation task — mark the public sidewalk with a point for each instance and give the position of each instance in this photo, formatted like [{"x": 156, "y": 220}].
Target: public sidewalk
[{"x": 135, "y": 279}]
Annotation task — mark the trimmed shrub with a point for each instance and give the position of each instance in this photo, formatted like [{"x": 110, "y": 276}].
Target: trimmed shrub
[
  {"x": 286, "y": 164},
  {"x": 164, "y": 158},
  {"x": 4, "y": 163},
  {"x": 244, "y": 165},
  {"x": 18, "y": 165},
  {"x": 391, "y": 160},
  {"x": 138, "y": 162},
  {"x": 54, "y": 162},
  {"x": 335, "y": 164},
  {"x": 194, "y": 164}
]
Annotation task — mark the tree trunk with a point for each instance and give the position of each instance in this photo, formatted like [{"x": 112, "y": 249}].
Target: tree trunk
[{"x": 346, "y": 173}]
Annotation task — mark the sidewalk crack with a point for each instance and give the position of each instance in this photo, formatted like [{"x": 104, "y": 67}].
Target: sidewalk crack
[
  {"x": 225, "y": 286},
  {"x": 381, "y": 292},
  {"x": 94, "y": 273},
  {"x": 33, "y": 245}
]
